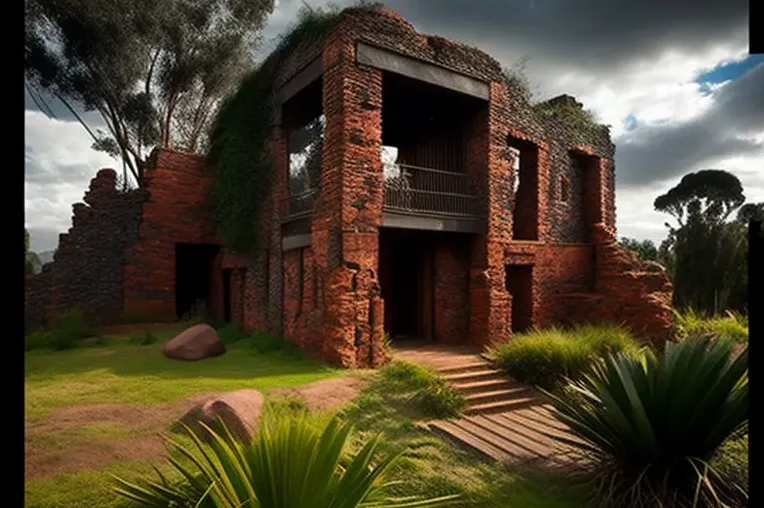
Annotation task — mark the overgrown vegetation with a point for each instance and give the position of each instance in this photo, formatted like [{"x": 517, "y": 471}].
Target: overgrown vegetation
[
  {"x": 240, "y": 135},
  {"x": 427, "y": 390},
  {"x": 574, "y": 115},
  {"x": 391, "y": 404},
  {"x": 547, "y": 357},
  {"x": 66, "y": 331},
  {"x": 291, "y": 462},
  {"x": 731, "y": 326},
  {"x": 651, "y": 426}
]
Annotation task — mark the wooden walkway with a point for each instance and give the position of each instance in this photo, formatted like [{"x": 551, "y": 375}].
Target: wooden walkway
[{"x": 504, "y": 420}]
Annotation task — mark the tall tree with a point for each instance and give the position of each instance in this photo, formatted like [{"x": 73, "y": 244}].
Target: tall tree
[
  {"x": 706, "y": 253},
  {"x": 155, "y": 70},
  {"x": 31, "y": 260},
  {"x": 646, "y": 249}
]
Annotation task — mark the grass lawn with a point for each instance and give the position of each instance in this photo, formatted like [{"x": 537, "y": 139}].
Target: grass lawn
[
  {"x": 133, "y": 382},
  {"x": 125, "y": 373}
]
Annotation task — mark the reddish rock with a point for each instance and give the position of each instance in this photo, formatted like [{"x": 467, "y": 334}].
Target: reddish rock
[
  {"x": 195, "y": 343},
  {"x": 239, "y": 411}
]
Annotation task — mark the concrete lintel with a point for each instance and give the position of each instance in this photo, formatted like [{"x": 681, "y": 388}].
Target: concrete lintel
[
  {"x": 456, "y": 225},
  {"x": 299, "y": 81},
  {"x": 295, "y": 242},
  {"x": 389, "y": 61}
]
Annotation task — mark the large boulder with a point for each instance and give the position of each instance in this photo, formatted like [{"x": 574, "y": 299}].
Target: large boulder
[
  {"x": 239, "y": 410},
  {"x": 195, "y": 343}
]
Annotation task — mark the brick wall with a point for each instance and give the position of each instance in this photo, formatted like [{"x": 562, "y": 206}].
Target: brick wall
[
  {"x": 177, "y": 211},
  {"x": 86, "y": 271},
  {"x": 452, "y": 283}
]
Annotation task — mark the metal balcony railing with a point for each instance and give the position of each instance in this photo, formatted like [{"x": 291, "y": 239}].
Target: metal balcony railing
[{"x": 424, "y": 190}]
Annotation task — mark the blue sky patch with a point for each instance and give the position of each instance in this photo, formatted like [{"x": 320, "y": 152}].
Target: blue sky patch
[{"x": 726, "y": 72}]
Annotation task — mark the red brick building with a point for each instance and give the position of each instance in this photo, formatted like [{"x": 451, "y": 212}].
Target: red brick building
[{"x": 416, "y": 192}]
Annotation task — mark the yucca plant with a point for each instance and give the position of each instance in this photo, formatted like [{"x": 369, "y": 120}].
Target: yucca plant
[
  {"x": 649, "y": 426},
  {"x": 290, "y": 464}
]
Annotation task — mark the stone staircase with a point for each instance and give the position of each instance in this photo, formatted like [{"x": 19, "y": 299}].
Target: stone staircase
[
  {"x": 504, "y": 420},
  {"x": 486, "y": 389}
]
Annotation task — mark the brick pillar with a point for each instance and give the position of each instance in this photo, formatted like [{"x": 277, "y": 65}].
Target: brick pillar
[
  {"x": 488, "y": 165},
  {"x": 349, "y": 209}
]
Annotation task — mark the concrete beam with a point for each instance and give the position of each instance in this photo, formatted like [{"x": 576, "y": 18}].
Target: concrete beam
[
  {"x": 423, "y": 71},
  {"x": 299, "y": 81},
  {"x": 421, "y": 222},
  {"x": 295, "y": 242}
]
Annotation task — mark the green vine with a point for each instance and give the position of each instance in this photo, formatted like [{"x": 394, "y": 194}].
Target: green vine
[
  {"x": 572, "y": 114},
  {"x": 240, "y": 134}
]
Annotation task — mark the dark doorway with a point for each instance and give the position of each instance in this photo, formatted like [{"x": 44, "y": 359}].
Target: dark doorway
[
  {"x": 227, "y": 295},
  {"x": 406, "y": 262},
  {"x": 193, "y": 276},
  {"x": 520, "y": 286}
]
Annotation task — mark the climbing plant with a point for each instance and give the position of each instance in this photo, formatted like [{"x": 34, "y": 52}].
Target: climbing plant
[
  {"x": 239, "y": 138},
  {"x": 240, "y": 133}
]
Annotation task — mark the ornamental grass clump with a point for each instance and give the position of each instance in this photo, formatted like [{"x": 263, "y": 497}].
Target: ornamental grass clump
[{"x": 649, "y": 427}]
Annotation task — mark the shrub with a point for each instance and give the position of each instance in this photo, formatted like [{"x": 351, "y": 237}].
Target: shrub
[
  {"x": 290, "y": 463},
  {"x": 547, "y": 357},
  {"x": 262, "y": 343},
  {"x": 430, "y": 391},
  {"x": 145, "y": 339},
  {"x": 231, "y": 333},
  {"x": 650, "y": 426},
  {"x": 731, "y": 326},
  {"x": 731, "y": 462},
  {"x": 37, "y": 339},
  {"x": 217, "y": 324}
]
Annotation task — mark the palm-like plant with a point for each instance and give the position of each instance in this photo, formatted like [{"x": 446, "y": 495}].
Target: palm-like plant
[
  {"x": 650, "y": 425},
  {"x": 290, "y": 464}
]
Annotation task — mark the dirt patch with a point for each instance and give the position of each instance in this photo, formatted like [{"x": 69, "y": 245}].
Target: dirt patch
[
  {"x": 325, "y": 395},
  {"x": 150, "y": 418},
  {"x": 62, "y": 454},
  {"x": 43, "y": 461}
]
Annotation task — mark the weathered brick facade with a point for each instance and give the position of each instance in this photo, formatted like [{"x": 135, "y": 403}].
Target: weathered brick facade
[{"x": 332, "y": 282}]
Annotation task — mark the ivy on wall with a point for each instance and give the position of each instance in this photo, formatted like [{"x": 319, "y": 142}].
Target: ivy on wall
[{"x": 240, "y": 135}]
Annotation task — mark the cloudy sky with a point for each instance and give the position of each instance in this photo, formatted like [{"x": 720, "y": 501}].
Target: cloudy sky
[{"x": 673, "y": 78}]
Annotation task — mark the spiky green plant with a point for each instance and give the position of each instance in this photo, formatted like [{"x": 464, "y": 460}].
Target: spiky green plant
[
  {"x": 650, "y": 426},
  {"x": 291, "y": 463}
]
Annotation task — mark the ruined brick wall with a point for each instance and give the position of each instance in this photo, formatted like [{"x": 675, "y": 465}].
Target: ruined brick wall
[
  {"x": 452, "y": 285},
  {"x": 86, "y": 271},
  {"x": 178, "y": 210},
  {"x": 558, "y": 272}
]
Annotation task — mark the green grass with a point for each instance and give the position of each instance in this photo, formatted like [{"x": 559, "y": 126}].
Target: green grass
[
  {"x": 126, "y": 373},
  {"x": 728, "y": 326},
  {"x": 545, "y": 357},
  {"x": 392, "y": 404}
]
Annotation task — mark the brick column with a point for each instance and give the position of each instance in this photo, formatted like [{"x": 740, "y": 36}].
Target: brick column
[
  {"x": 280, "y": 161},
  {"x": 349, "y": 209},
  {"x": 488, "y": 165}
]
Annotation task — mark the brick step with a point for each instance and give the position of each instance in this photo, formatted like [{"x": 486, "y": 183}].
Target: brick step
[
  {"x": 461, "y": 368},
  {"x": 509, "y": 392},
  {"x": 475, "y": 375},
  {"x": 496, "y": 382},
  {"x": 499, "y": 406}
]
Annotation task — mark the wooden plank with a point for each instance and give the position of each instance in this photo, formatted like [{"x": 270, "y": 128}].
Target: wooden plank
[
  {"x": 423, "y": 71},
  {"x": 533, "y": 447},
  {"x": 534, "y": 434},
  {"x": 468, "y": 439},
  {"x": 510, "y": 447},
  {"x": 534, "y": 427}
]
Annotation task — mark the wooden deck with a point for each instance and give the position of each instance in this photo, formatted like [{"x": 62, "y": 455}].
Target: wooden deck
[{"x": 504, "y": 420}]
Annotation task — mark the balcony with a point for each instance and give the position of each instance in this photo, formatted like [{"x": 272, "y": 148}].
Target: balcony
[{"x": 425, "y": 198}]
